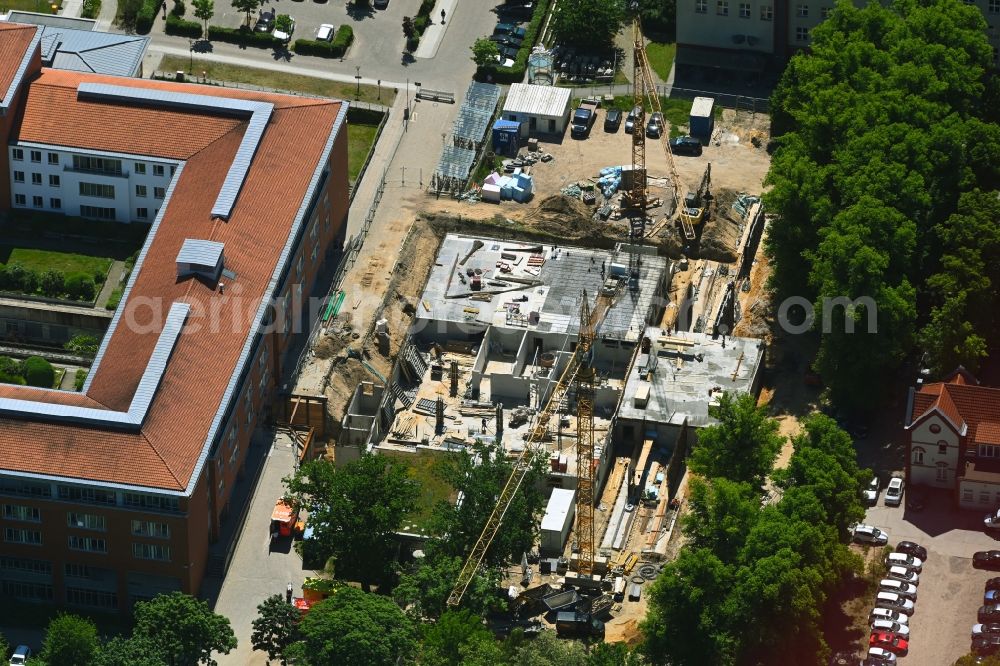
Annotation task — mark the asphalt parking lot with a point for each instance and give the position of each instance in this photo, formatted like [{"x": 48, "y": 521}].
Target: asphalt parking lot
[{"x": 950, "y": 590}]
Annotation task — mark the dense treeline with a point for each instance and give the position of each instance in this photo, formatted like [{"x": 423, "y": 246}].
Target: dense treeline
[
  {"x": 750, "y": 586},
  {"x": 883, "y": 182}
]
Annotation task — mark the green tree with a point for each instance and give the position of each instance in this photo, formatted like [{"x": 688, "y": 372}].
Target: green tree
[
  {"x": 204, "y": 10},
  {"x": 613, "y": 654},
  {"x": 659, "y": 17},
  {"x": 445, "y": 641},
  {"x": 485, "y": 52},
  {"x": 742, "y": 446},
  {"x": 545, "y": 650},
  {"x": 355, "y": 628},
  {"x": 247, "y": 6},
  {"x": 589, "y": 23},
  {"x": 478, "y": 476},
  {"x": 38, "y": 372},
  {"x": 183, "y": 629},
  {"x": 5, "y": 648},
  {"x": 977, "y": 660},
  {"x": 70, "y": 640},
  {"x": 11, "y": 371},
  {"x": 84, "y": 345},
  {"x": 80, "y": 286},
  {"x": 275, "y": 627},
  {"x": 355, "y": 509},
  {"x": 424, "y": 587},
  {"x": 52, "y": 283},
  {"x": 721, "y": 514},
  {"x": 134, "y": 651},
  {"x": 482, "y": 650}
]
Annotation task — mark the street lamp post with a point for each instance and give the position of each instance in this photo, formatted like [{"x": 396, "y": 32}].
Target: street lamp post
[
  {"x": 191, "y": 59},
  {"x": 379, "y": 84}
]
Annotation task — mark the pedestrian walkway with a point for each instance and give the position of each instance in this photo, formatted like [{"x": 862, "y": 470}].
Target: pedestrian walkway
[
  {"x": 113, "y": 281},
  {"x": 430, "y": 41}
]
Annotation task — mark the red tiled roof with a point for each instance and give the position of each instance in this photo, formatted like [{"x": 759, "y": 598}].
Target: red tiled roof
[
  {"x": 165, "y": 453},
  {"x": 961, "y": 402},
  {"x": 987, "y": 432},
  {"x": 14, "y": 41}
]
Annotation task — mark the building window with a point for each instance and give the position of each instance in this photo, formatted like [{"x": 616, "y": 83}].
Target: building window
[
  {"x": 744, "y": 10},
  {"x": 989, "y": 451},
  {"x": 74, "y": 570},
  {"x": 233, "y": 456},
  {"x": 88, "y": 544},
  {"x": 942, "y": 448},
  {"x": 825, "y": 12},
  {"x": 53, "y": 158},
  {"x": 15, "y": 535},
  {"x": 36, "y": 179},
  {"x": 55, "y": 204},
  {"x": 38, "y": 202},
  {"x": 36, "y": 156},
  {"x": 700, "y": 7},
  {"x": 27, "y": 591},
  {"x": 142, "y": 213},
  {"x": 298, "y": 267},
  {"x": 157, "y": 169},
  {"x": 140, "y": 190},
  {"x": 22, "y": 488},
  {"x": 802, "y": 11},
  {"x": 722, "y": 7},
  {"x": 86, "y": 521},
  {"x": 935, "y": 428},
  {"x": 97, "y": 190},
  {"x": 967, "y": 495},
  {"x": 766, "y": 13},
  {"x": 159, "y": 192},
  {"x": 942, "y": 474},
  {"x": 314, "y": 253},
  {"x": 20, "y": 200},
  {"x": 222, "y": 484},
  {"x": 99, "y": 164},
  {"x": 148, "y": 528},
  {"x": 151, "y": 551},
  {"x": 918, "y": 456},
  {"x": 54, "y": 180},
  {"x": 18, "y": 154},
  {"x": 25, "y": 565},
  {"x": 801, "y": 34},
  {"x": 77, "y": 596},
  {"x": 984, "y": 497},
  {"x": 173, "y": 169},
  {"x": 88, "y": 495},
  {"x": 27, "y": 514},
  {"x": 248, "y": 407},
  {"x": 152, "y": 502},
  {"x": 18, "y": 176},
  {"x": 97, "y": 212}
]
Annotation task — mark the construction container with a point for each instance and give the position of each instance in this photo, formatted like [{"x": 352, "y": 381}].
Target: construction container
[
  {"x": 635, "y": 592},
  {"x": 641, "y": 397},
  {"x": 557, "y": 520},
  {"x": 561, "y": 600},
  {"x": 702, "y": 119},
  {"x": 618, "y": 592}
]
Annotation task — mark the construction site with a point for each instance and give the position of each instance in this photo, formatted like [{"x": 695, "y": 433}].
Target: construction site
[{"x": 594, "y": 337}]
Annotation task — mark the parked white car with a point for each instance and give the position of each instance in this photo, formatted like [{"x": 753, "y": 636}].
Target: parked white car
[
  {"x": 894, "y": 492},
  {"x": 893, "y": 601},
  {"x": 899, "y": 587},
  {"x": 904, "y": 560},
  {"x": 325, "y": 33},
  {"x": 21, "y": 656},
  {"x": 285, "y": 37},
  {"x": 871, "y": 491},
  {"x": 869, "y": 534},
  {"x": 888, "y": 615},
  {"x": 891, "y": 627},
  {"x": 903, "y": 574},
  {"x": 883, "y": 654},
  {"x": 992, "y": 521}
]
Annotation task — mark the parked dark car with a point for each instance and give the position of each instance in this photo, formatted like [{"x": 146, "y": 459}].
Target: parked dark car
[
  {"x": 986, "y": 559},
  {"x": 685, "y": 145},
  {"x": 993, "y": 584},
  {"x": 911, "y": 548},
  {"x": 630, "y": 119},
  {"x": 988, "y": 614},
  {"x": 381, "y": 4},
  {"x": 654, "y": 128},
  {"x": 612, "y": 120},
  {"x": 265, "y": 22},
  {"x": 986, "y": 644}
]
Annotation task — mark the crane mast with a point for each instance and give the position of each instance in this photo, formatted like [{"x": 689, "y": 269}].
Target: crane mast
[{"x": 584, "y": 384}]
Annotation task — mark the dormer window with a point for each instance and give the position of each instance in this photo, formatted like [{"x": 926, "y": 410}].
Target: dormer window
[{"x": 200, "y": 257}]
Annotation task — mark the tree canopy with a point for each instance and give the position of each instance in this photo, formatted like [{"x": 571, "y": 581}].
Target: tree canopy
[
  {"x": 352, "y": 627},
  {"x": 275, "y": 627},
  {"x": 742, "y": 446},
  {"x": 70, "y": 640},
  {"x": 880, "y": 134},
  {"x": 485, "y": 52},
  {"x": 354, "y": 510},
  {"x": 589, "y": 23},
  {"x": 183, "y": 629}
]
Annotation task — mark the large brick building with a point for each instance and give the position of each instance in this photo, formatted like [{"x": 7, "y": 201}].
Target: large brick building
[{"x": 114, "y": 494}]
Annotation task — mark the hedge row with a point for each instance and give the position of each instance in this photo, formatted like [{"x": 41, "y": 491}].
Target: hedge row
[
  {"x": 91, "y": 8},
  {"x": 420, "y": 23},
  {"x": 178, "y": 26},
  {"x": 146, "y": 15},
  {"x": 243, "y": 36},
  {"x": 51, "y": 283},
  {"x": 34, "y": 371},
  {"x": 515, "y": 73},
  {"x": 335, "y": 49}
]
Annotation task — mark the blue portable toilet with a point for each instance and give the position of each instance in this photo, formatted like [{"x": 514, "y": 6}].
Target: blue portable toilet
[{"x": 506, "y": 137}]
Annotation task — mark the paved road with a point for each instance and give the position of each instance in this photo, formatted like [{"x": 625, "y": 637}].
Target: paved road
[{"x": 950, "y": 589}]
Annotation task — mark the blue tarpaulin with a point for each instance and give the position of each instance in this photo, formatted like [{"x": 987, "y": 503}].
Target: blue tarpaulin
[{"x": 506, "y": 134}]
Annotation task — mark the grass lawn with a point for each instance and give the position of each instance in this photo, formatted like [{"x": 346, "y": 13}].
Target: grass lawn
[
  {"x": 360, "y": 141},
  {"x": 266, "y": 78},
  {"x": 42, "y": 6},
  {"x": 661, "y": 58},
  {"x": 432, "y": 489},
  {"x": 44, "y": 260}
]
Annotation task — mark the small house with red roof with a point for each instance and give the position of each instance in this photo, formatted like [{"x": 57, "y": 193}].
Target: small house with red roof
[{"x": 954, "y": 439}]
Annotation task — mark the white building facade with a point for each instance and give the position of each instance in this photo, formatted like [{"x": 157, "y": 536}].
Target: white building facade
[{"x": 100, "y": 186}]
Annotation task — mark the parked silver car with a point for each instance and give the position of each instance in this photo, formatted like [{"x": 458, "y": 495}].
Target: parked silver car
[
  {"x": 899, "y": 587},
  {"x": 894, "y": 492},
  {"x": 869, "y": 534},
  {"x": 903, "y": 574},
  {"x": 891, "y": 627},
  {"x": 904, "y": 560}
]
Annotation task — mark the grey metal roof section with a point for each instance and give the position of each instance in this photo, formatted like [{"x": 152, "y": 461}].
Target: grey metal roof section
[
  {"x": 200, "y": 252},
  {"x": 259, "y": 114},
  {"x": 280, "y": 269},
  {"x": 476, "y": 112},
  {"x": 456, "y": 162},
  {"x": 8, "y": 95},
  {"x": 133, "y": 418},
  {"x": 52, "y": 20},
  {"x": 49, "y": 46},
  {"x": 532, "y": 100}
]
